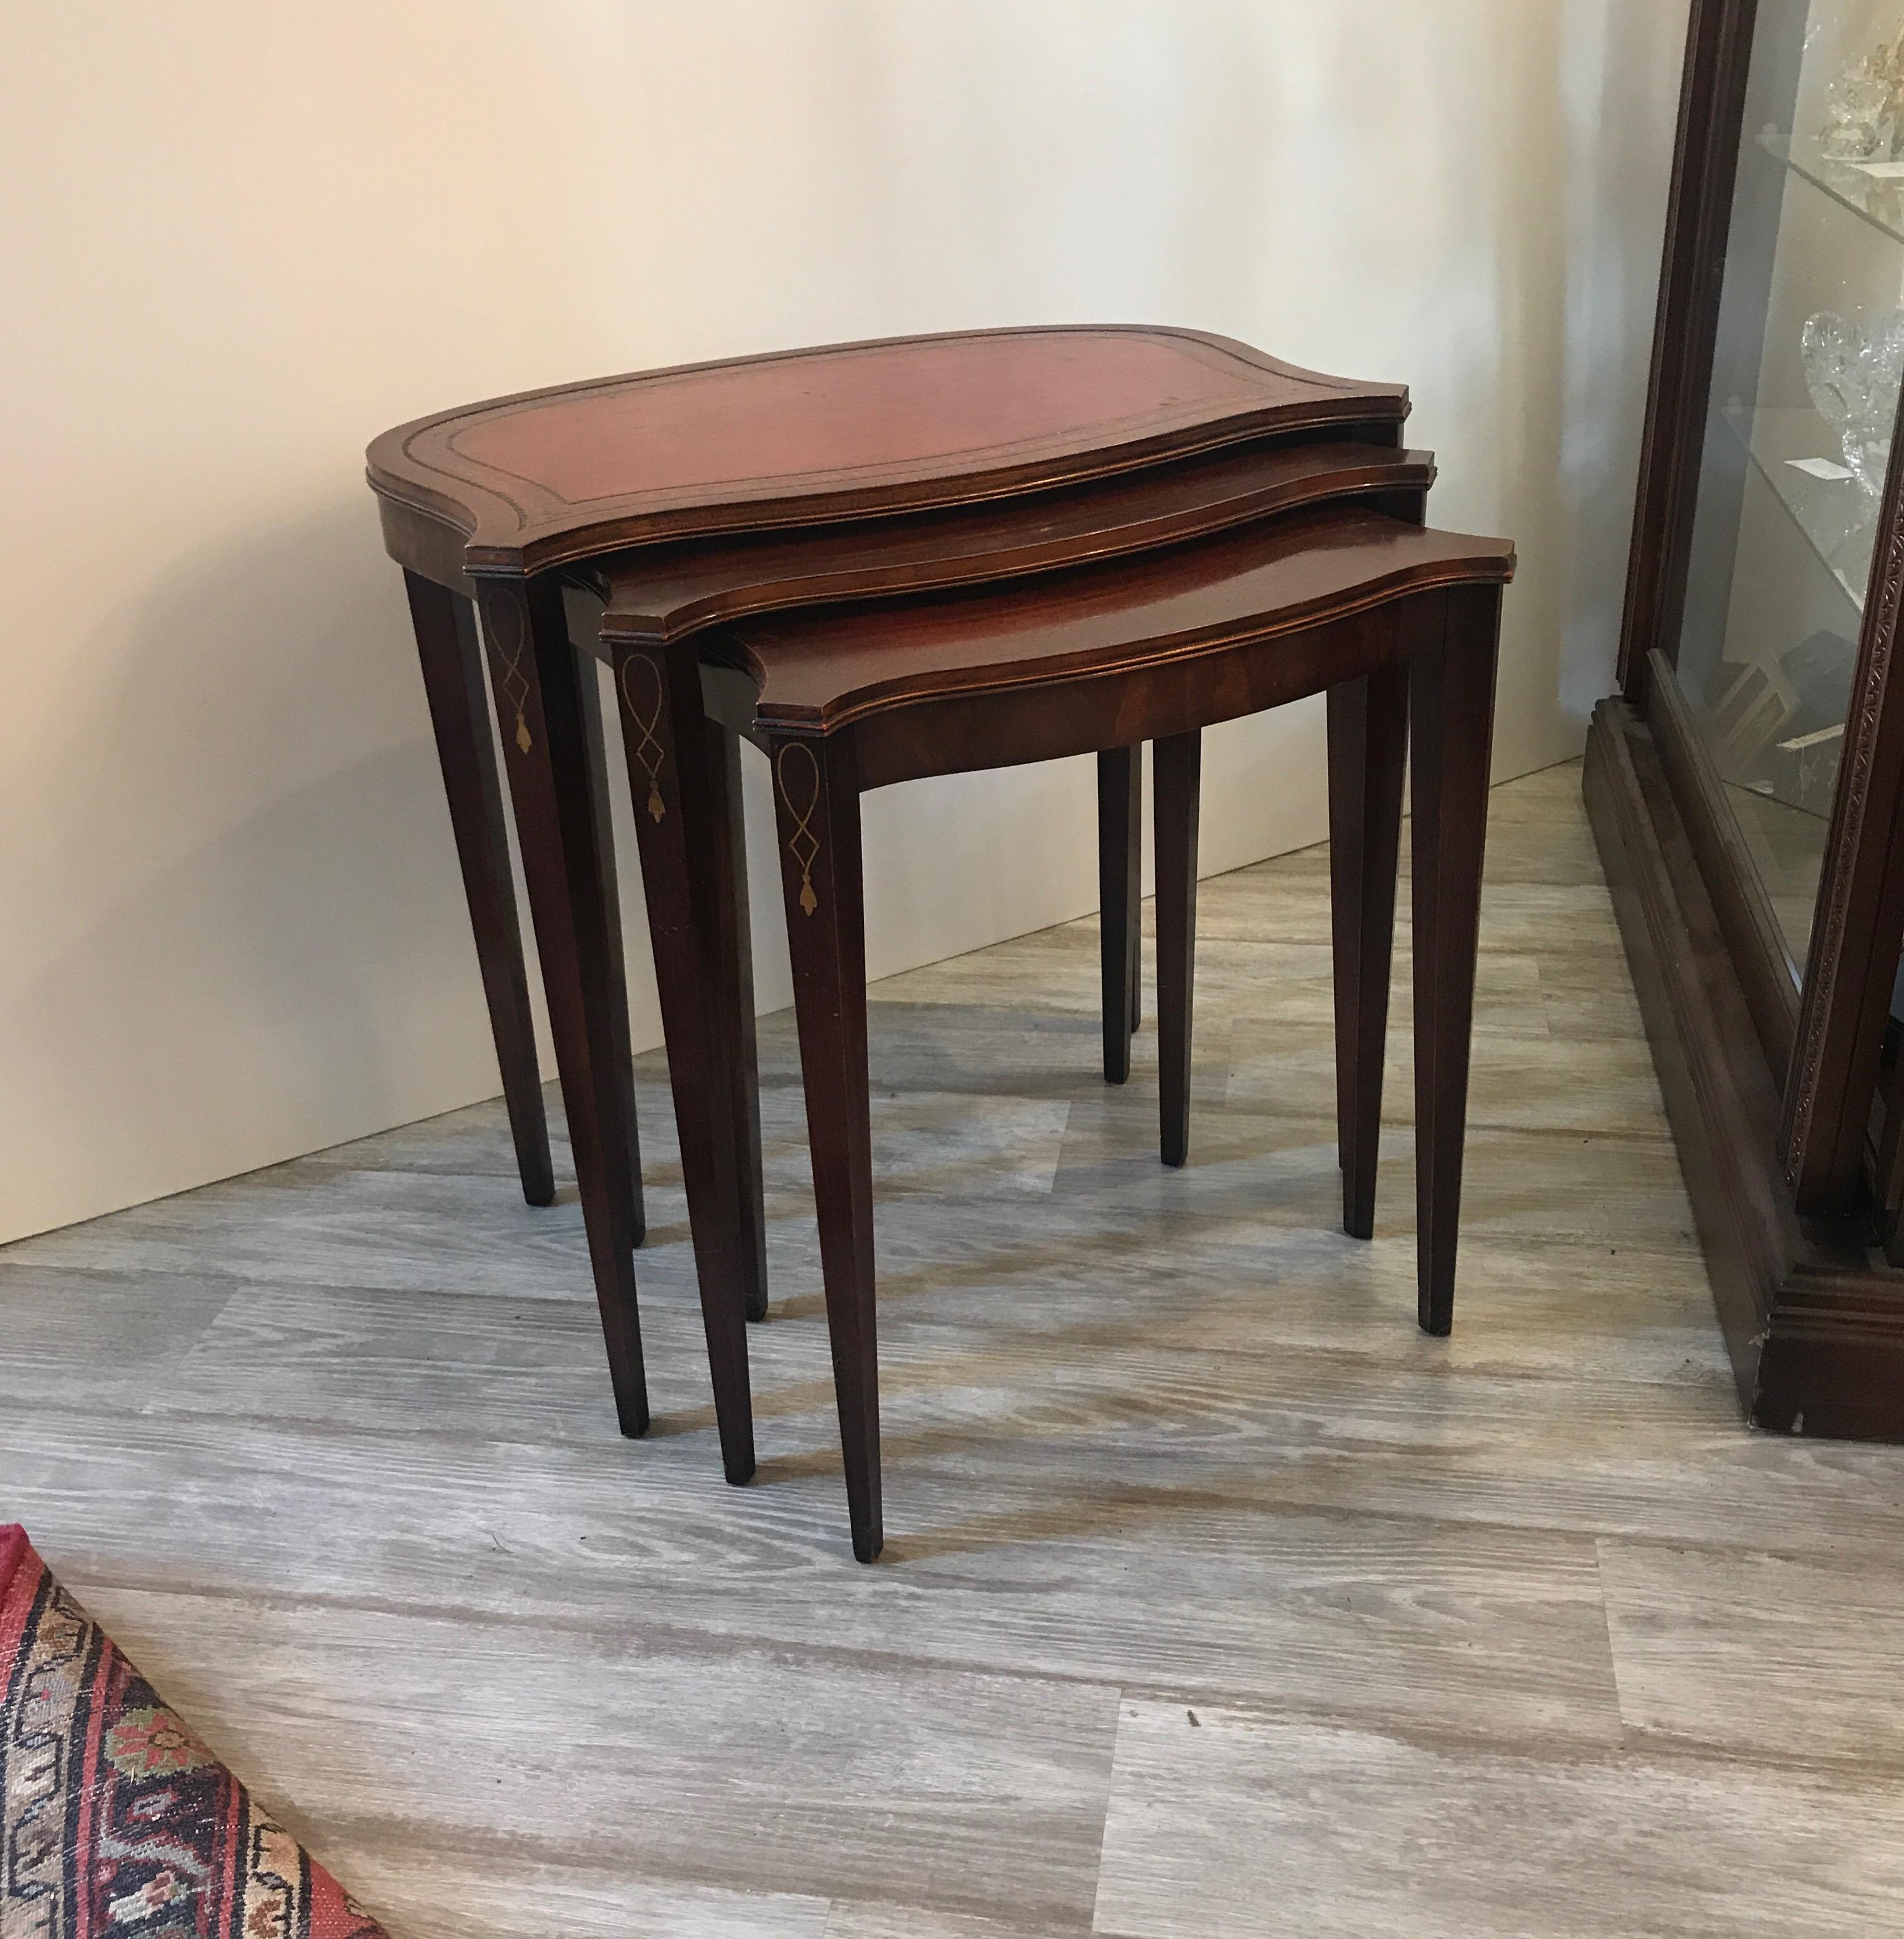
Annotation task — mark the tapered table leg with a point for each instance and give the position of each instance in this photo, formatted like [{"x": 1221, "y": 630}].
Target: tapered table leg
[
  {"x": 1368, "y": 750},
  {"x": 452, "y": 657},
  {"x": 1120, "y": 892},
  {"x": 541, "y": 710},
  {"x": 816, "y": 796},
  {"x": 731, "y": 977},
  {"x": 673, "y": 778},
  {"x": 589, "y": 686},
  {"x": 1176, "y": 767},
  {"x": 1451, "y": 697}
]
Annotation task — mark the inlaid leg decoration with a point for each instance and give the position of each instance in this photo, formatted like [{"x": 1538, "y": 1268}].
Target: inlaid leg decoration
[
  {"x": 1176, "y": 768},
  {"x": 1120, "y": 892},
  {"x": 539, "y": 704},
  {"x": 589, "y": 682},
  {"x": 512, "y": 663},
  {"x": 816, "y": 794},
  {"x": 1451, "y": 697},
  {"x": 451, "y": 656},
  {"x": 669, "y": 774},
  {"x": 1368, "y": 750}
]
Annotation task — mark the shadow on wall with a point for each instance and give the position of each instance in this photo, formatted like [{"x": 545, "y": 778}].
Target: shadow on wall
[
  {"x": 1527, "y": 357},
  {"x": 1626, "y": 61},
  {"x": 304, "y": 972},
  {"x": 306, "y": 965}
]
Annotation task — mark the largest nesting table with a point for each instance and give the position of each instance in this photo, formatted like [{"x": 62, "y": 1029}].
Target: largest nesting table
[{"x": 695, "y": 501}]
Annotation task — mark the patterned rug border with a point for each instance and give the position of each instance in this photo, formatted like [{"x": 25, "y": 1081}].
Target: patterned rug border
[{"x": 114, "y": 1819}]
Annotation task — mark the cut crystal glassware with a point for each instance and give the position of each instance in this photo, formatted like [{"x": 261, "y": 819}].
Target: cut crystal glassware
[
  {"x": 1860, "y": 123},
  {"x": 1853, "y": 373}
]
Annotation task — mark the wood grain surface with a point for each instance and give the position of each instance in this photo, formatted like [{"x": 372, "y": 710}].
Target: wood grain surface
[
  {"x": 519, "y": 484},
  {"x": 1515, "y": 1633},
  {"x": 669, "y": 592},
  {"x": 817, "y": 670}
]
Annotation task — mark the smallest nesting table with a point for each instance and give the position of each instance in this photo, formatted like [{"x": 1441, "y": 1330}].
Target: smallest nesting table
[{"x": 1394, "y": 622}]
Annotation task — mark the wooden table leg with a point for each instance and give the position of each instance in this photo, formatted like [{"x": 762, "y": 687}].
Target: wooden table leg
[
  {"x": 540, "y": 708},
  {"x": 1368, "y": 749},
  {"x": 731, "y": 977},
  {"x": 452, "y": 657},
  {"x": 589, "y": 687},
  {"x": 1120, "y": 893},
  {"x": 816, "y": 794},
  {"x": 670, "y": 760},
  {"x": 1451, "y": 699},
  {"x": 1176, "y": 767}
]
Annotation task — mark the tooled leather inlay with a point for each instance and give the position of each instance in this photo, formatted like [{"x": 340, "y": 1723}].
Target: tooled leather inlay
[{"x": 856, "y": 413}]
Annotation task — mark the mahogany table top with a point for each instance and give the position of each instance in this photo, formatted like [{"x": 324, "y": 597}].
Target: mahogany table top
[
  {"x": 818, "y": 670},
  {"x": 669, "y": 592},
  {"x": 520, "y": 484}
]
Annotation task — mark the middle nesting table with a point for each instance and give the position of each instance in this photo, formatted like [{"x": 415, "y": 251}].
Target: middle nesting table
[{"x": 667, "y": 616}]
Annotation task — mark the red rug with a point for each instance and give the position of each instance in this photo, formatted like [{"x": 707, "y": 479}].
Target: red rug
[{"x": 115, "y": 1822}]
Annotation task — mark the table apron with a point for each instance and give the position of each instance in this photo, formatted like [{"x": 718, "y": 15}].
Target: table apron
[{"x": 1080, "y": 712}]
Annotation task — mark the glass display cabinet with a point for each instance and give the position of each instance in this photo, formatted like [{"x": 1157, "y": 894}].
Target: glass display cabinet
[{"x": 1746, "y": 784}]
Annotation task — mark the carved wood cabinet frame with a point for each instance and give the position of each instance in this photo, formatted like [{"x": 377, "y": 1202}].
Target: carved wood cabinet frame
[{"x": 1830, "y": 1076}]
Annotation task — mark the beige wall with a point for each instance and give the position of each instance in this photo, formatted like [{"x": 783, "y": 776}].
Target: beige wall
[{"x": 237, "y": 240}]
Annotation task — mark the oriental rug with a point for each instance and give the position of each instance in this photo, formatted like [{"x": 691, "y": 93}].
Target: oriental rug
[{"x": 115, "y": 1822}]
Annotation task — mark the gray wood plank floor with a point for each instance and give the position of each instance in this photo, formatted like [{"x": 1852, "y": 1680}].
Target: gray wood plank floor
[{"x": 1218, "y": 1600}]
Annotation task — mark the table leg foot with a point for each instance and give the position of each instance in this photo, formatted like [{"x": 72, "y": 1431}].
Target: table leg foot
[
  {"x": 1452, "y": 690},
  {"x": 1176, "y": 765},
  {"x": 816, "y": 794},
  {"x": 1120, "y": 891},
  {"x": 1368, "y": 748}
]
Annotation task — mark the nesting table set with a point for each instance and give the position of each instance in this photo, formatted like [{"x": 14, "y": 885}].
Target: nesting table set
[{"x": 886, "y": 560}]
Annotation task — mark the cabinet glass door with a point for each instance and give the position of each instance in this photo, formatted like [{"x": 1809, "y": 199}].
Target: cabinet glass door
[{"x": 1804, "y": 400}]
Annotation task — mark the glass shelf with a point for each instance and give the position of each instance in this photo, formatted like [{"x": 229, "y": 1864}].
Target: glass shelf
[
  {"x": 1838, "y": 522},
  {"x": 1877, "y": 199}
]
